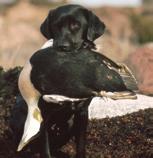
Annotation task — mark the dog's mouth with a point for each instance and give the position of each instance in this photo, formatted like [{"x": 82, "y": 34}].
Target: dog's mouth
[
  {"x": 89, "y": 44},
  {"x": 68, "y": 48}
]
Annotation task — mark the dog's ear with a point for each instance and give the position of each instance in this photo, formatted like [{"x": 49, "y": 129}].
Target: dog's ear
[
  {"x": 95, "y": 27},
  {"x": 46, "y": 28}
]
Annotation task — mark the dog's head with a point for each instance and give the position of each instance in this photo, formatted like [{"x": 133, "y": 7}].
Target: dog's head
[{"x": 71, "y": 27}]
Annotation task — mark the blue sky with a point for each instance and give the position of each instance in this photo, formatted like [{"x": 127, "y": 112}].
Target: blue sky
[{"x": 108, "y": 2}]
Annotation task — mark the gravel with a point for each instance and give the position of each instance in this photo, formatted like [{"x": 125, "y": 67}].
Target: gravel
[{"x": 117, "y": 129}]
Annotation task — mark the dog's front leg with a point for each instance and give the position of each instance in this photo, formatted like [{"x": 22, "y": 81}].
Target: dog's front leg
[
  {"x": 81, "y": 122},
  {"x": 80, "y": 136},
  {"x": 45, "y": 153}
]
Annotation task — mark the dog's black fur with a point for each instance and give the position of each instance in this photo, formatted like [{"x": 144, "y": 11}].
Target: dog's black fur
[
  {"x": 69, "y": 68},
  {"x": 72, "y": 27},
  {"x": 62, "y": 123}
]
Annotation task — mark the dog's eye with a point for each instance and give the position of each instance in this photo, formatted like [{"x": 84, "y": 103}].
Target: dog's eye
[{"x": 74, "y": 26}]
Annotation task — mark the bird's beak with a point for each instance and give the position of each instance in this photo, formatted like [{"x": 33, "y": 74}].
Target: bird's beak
[{"x": 31, "y": 128}]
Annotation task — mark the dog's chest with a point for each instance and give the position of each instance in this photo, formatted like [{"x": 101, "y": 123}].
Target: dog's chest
[{"x": 62, "y": 128}]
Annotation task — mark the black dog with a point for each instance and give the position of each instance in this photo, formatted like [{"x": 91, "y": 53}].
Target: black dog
[
  {"x": 72, "y": 69},
  {"x": 72, "y": 27}
]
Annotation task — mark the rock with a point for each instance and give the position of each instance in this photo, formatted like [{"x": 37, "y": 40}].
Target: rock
[{"x": 141, "y": 62}]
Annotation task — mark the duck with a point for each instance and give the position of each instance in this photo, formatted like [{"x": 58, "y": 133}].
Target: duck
[{"x": 59, "y": 76}]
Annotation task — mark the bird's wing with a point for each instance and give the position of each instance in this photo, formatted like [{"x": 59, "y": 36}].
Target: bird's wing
[
  {"x": 118, "y": 80},
  {"x": 126, "y": 75}
]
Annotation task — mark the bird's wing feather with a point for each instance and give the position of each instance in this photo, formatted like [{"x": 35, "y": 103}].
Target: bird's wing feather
[
  {"x": 128, "y": 78},
  {"x": 124, "y": 72},
  {"x": 125, "y": 75}
]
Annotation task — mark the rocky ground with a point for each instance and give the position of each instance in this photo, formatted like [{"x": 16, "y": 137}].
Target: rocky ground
[{"x": 129, "y": 136}]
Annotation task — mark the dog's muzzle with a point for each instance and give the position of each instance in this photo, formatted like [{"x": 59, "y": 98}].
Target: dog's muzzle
[{"x": 66, "y": 46}]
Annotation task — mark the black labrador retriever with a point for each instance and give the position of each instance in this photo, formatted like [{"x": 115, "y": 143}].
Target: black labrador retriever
[
  {"x": 72, "y": 28},
  {"x": 72, "y": 69}
]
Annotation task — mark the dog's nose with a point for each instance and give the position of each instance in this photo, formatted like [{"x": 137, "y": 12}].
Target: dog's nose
[{"x": 64, "y": 46}]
